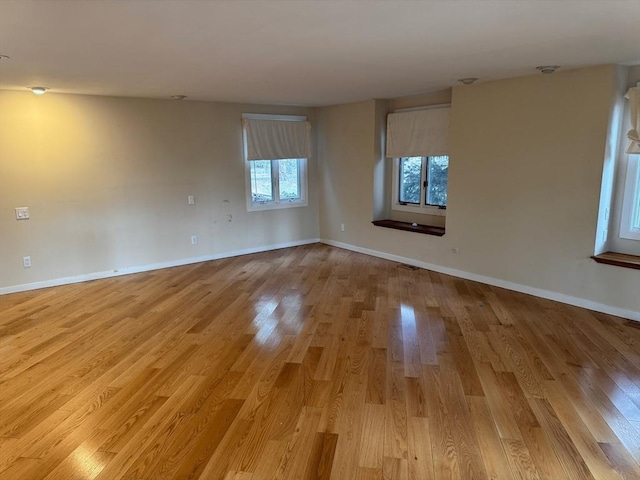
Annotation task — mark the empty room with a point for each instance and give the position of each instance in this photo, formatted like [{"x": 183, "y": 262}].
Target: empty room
[{"x": 306, "y": 239}]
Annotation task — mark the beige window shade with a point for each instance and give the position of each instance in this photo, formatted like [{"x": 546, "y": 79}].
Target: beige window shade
[
  {"x": 276, "y": 139},
  {"x": 633, "y": 95},
  {"x": 420, "y": 133}
]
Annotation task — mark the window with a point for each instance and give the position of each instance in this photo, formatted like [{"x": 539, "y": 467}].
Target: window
[
  {"x": 630, "y": 218},
  {"x": 618, "y": 229},
  {"x": 277, "y": 182},
  {"x": 276, "y": 153},
  {"x": 421, "y": 184},
  {"x": 418, "y": 142}
]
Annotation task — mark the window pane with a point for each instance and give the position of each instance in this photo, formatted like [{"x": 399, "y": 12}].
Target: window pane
[
  {"x": 410, "y": 173},
  {"x": 437, "y": 174},
  {"x": 261, "y": 185},
  {"x": 635, "y": 207},
  {"x": 289, "y": 180}
]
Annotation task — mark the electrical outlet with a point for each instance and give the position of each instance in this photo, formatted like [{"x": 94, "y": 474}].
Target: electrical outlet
[
  {"x": 455, "y": 250},
  {"x": 194, "y": 239},
  {"x": 191, "y": 200},
  {"x": 26, "y": 262},
  {"x": 342, "y": 227}
]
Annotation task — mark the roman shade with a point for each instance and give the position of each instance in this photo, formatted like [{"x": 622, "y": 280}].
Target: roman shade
[
  {"x": 418, "y": 133},
  {"x": 633, "y": 95},
  {"x": 276, "y": 139}
]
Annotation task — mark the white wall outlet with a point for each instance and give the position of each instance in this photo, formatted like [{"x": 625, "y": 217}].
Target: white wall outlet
[
  {"x": 455, "y": 250},
  {"x": 22, "y": 213},
  {"x": 26, "y": 262},
  {"x": 191, "y": 200},
  {"x": 229, "y": 218},
  {"x": 194, "y": 239},
  {"x": 342, "y": 227}
]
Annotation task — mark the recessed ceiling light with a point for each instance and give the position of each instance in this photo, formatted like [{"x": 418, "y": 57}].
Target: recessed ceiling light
[
  {"x": 4, "y": 57},
  {"x": 38, "y": 90},
  {"x": 178, "y": 97},
  {"x": 547, "y": 69},
  {"x": 467, "y": 81}
]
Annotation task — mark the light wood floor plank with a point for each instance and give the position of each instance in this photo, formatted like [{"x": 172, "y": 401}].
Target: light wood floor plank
[{"x": 312, "y": 362}]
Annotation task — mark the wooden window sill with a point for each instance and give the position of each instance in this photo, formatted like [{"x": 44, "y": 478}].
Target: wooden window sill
[
  {"x": 409, "y": 227},
  {"x": 618, "y": 259}
]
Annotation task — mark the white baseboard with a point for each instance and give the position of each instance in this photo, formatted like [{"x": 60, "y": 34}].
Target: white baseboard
[
  {"x": 558, "y": 297},
  {"x": 146, "y": 268}
]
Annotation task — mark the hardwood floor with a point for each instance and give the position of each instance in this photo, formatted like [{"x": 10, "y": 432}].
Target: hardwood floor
[{"x": 312, "y": 363}]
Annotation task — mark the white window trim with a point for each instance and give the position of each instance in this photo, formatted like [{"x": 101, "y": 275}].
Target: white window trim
[
  {"x": 631, "y": 192},
  {"x": 275, "y": 204},
  {"x": 421, "y": 208}
]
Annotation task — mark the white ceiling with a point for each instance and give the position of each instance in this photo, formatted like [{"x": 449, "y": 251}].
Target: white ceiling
[{"x": 304, "y": 52}]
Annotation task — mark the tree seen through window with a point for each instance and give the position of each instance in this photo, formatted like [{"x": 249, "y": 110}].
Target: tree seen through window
[{"x": 433, "y": 171}]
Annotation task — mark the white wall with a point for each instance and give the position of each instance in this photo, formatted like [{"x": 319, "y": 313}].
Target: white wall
[
  {"x": 107, "y": 179},
  {"x": 524, "y": 184}
]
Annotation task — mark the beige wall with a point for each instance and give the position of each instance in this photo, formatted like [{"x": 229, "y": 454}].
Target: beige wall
[
  {"x": 107, "y": 179},
  {"x": 524, "y": 184},
  {"x": 346, "y": 136},
  {"x": 437, "y": 97},
  {"x": 382, "y": 188},
  {"x": 346, "y": 143}
]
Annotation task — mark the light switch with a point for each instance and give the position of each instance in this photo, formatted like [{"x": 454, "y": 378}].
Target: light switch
[{"x": 22, "y": 213}]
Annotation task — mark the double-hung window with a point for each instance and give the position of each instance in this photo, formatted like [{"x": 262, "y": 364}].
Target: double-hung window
[
  {"x": 276, "y": 152},
  {"x": 418, "y": 143}
]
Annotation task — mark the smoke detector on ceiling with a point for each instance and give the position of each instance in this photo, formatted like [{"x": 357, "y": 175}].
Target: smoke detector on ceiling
[
  {"x": 38, "y": 90},
  {"x": 548, "y": 69}
]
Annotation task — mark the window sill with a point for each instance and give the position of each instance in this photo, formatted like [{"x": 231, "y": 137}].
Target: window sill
[
  {"x": 618, "y": 259},
  {"x": 409, "y": 227}
]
